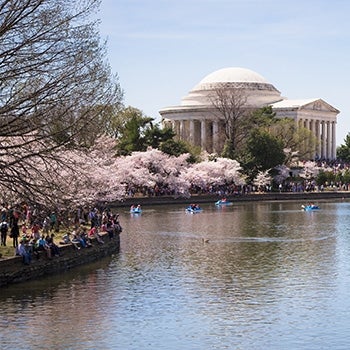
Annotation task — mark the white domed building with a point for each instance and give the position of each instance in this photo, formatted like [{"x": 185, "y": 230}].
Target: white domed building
[{"x": 195, "y": 120}]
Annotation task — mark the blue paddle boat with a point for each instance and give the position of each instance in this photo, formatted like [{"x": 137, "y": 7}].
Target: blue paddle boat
[
  {"x": 310, "y": 207},
  {"x": 194, "y": 208},
  {"x": 223, "y": 202},
  {"x": 135, "y": 210}
]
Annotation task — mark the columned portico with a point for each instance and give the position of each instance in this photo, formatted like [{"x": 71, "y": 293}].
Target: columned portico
[{"x": 325, "y": 135}]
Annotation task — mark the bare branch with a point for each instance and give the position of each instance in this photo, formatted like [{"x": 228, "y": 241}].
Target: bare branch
[{"x": 55, "y": 85}]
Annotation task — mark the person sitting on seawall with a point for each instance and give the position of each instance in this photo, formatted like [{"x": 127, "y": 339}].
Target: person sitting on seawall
[
  {"x": 41, "y": 245},
  {"x": 85, "y": 238},
  {"x": 93, "y": 233},
  {"x": 66, "y": 239},
  {"x": 75, "y": 240},
  {"x": 23, "y": 252},
  {"x": 55, "y": 251},
  {"x": 33, "y": 245},
  {"x": 80, "y": 239}
]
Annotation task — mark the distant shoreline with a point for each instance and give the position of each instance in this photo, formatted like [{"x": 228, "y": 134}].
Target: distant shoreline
[{"x": 252, "y": 197}]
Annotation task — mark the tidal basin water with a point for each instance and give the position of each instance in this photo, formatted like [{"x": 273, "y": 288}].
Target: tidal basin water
[{"x": 248, "y": 276}]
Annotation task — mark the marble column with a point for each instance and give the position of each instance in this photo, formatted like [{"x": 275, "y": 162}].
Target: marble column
[
  {"x": 204, "y": 134},
  {"x": 192, "y": 132},
  {"x": 324, "y": 141},
  {"x": 215, "y": 136},
  {"x": 313, "y": 127},
  {"x": 329, "y": 141},
  {"x": 182, "y": 129},
  {"x": 176, "y": 128},
  {"x": 308, "y": 124},
  {"x": 313, "y": 132},
  {"x": 318, "y": 137},
  {"x": 334, "y": 141}
]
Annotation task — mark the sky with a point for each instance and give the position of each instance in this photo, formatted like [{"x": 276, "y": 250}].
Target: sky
[{"x": 161, "y": 49}]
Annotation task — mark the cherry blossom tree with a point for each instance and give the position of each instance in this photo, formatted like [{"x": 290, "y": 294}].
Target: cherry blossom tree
[
  {"x": 310, "y": 170},
  {"x": 263, "y": 179},
  {"x": 221, "y": 171},
  {"x": 103, "y": 177},
  {"x": 153, "y": 169},
  {"x": 283, "y": 173}
]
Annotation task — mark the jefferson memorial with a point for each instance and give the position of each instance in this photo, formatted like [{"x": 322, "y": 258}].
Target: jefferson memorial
[{"x": 195, "y": 121}]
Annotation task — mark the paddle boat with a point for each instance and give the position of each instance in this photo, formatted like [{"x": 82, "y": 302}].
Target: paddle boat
[
  {"x": 194, "y": 208},
  {"x": 135, "y": 210},
  {"x": 310, "y": 207},
  {"x": 223, "y": 201}
]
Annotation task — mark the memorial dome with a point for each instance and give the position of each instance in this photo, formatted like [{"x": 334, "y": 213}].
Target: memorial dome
[
  {"x": 233, "y": 75},
  {"x": 257, "y": 89}
]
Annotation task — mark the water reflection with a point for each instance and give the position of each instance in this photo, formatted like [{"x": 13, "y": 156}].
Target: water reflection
[{"x": 248, "y": 276}]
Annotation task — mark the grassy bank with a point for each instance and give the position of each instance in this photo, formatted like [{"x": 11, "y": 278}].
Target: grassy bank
[{"x": 9, "y": 251}]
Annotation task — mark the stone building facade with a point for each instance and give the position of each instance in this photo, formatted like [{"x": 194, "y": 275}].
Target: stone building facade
[{"x": 195, "y": 120}]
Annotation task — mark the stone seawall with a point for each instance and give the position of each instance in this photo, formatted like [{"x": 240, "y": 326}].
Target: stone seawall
[{"x": 12, "y": 270}]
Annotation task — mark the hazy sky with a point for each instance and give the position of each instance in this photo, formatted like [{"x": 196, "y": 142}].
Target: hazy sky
[{"x": 161, "y": 49}]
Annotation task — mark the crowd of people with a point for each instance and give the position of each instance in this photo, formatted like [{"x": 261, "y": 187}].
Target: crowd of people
[{"x": 33, "y": 237}]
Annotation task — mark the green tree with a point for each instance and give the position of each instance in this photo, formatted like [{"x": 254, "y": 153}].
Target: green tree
[
  {"x": 155, "y": 136},
  {"x": 132, "y": 133},
  {"x": 266, "y": 150},
  {"x": 346, "y": 176},
  {"x": 325, "y": 178},
  {"x": 343, "y": 151},
  {"x": 135, "y": 131},
  {"x": 263, "y": 117},
  {"x": 173, "y": 147},
  {"x": 298, "y": 140}
]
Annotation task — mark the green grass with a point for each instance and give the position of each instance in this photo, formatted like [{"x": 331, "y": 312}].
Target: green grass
[{"x": 8, "y": 251}]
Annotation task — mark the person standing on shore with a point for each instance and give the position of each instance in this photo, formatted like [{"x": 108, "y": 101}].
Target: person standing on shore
[
  {"x": 3, "y": 230},
  {"x": 15, "y": 233}
]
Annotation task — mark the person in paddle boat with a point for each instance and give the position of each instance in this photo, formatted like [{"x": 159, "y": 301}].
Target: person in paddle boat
[
  {"x": 135, "y": 209},
  {"x": 193, "y": 207},
  {"x": 310, "y": 206}
]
